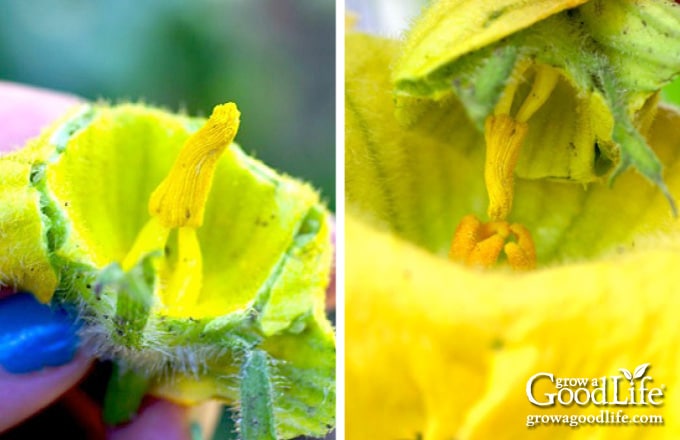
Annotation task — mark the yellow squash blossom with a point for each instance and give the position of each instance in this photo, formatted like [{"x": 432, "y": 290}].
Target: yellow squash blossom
[
  {"x": 442, "y": 350},
  {"x": 197, "y": 269}
]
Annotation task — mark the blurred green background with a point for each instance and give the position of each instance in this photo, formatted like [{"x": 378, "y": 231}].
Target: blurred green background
[
  {"x": 671, "y": 93},
  {"x": 274, "y": 58}
]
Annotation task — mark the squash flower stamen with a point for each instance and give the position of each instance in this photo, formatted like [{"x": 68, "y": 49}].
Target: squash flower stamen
[{"x": 179, "y": 203}]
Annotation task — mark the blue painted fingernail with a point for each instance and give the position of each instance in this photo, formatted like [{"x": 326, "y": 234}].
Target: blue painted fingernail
[{"x": 33, "y": 335}]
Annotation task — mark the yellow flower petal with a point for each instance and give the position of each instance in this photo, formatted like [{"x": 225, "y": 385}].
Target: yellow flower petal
[
  {"x": 21, "y": 235},
  {"x": 440, "y": 350}
]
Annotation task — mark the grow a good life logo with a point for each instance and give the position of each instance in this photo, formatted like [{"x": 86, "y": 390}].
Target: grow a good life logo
[{"x": 629, "y": 389}]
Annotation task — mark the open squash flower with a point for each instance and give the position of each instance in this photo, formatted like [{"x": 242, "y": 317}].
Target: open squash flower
[
  {"x": 197, "y": 269},
  {"x": 492, "y": 137}
]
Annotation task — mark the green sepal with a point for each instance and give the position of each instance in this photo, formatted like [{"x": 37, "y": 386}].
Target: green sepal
[
  {"x": 640, "y": 40},
  {"x": 482, "y": 83},
  {"x": 634, "y": 152},
  {"x": 134, "y": 297}
]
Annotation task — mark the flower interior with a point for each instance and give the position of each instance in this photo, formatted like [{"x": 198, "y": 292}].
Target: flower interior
[
  {"x": 132, "y": 197},
  {"x": 422, "y": 171}
]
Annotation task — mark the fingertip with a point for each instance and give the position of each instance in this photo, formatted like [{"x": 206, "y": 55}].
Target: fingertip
[
  {"x": 23, "y": 395},
  {"x": 25, "y": 111},
  {"x": 158, "y": 420}
]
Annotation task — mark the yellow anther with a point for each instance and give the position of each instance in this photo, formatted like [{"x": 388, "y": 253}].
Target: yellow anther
[
  {"x": 504, "y": 138},
  {"x": 480, "y": 244},
  {"x": 180, "y": 199}
]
